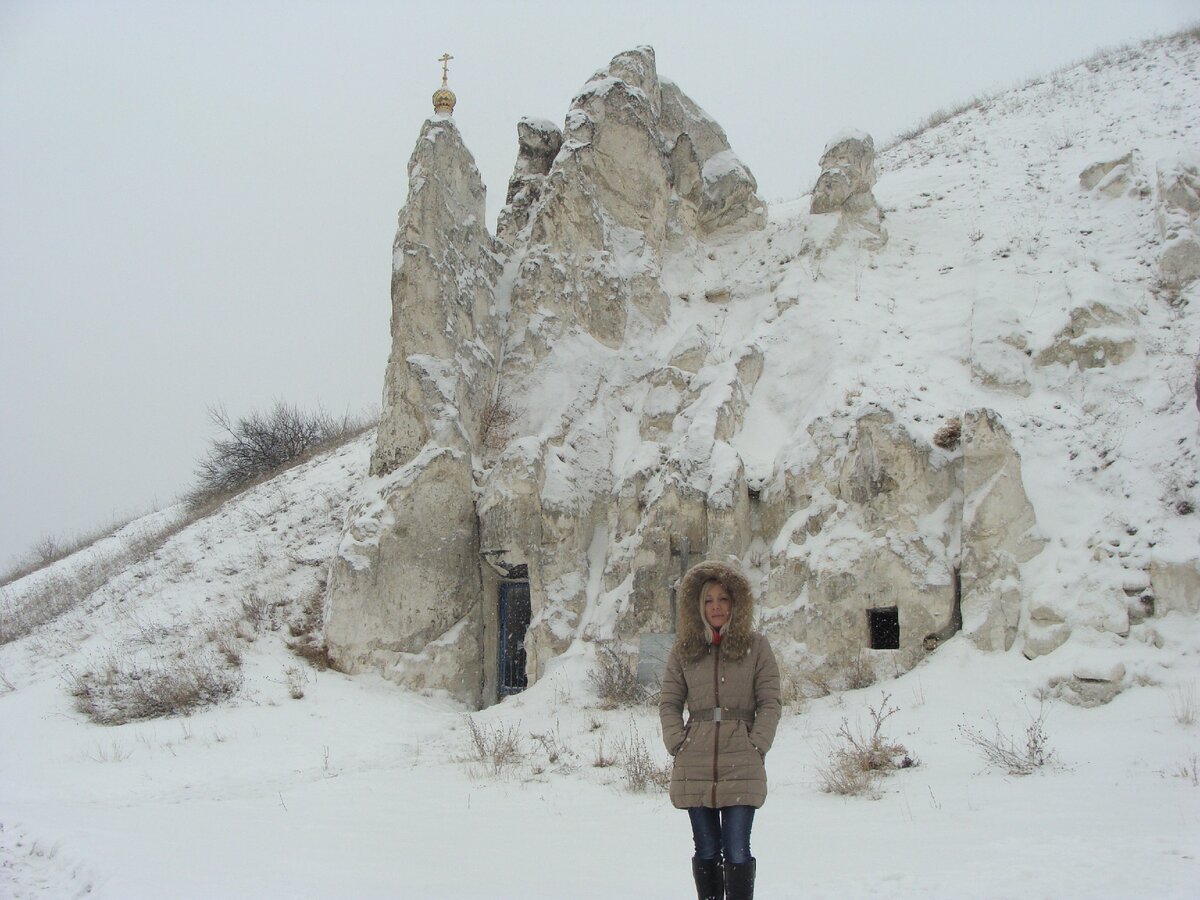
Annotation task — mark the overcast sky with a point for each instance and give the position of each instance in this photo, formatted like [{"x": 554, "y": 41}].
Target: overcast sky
[{"x": 199, "y": 199}]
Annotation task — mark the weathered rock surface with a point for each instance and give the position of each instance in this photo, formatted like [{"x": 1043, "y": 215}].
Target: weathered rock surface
[
  {"x": 1095, "y": 336},
  {"x": 998, "y": 532},
  {"x": 538, "y": 143},
  {"x": 585, "y": 425},
  {"x": 1178, "y": 214},
  {"x": 847, "y": 175},
  {"x": 405, "y": 588},
  {"x": 1112, "y": 178},
  {"x": 882, "y": 521}
]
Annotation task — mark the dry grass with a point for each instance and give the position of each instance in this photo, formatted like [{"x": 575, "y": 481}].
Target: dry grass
[
  {"x": 840, "y": 671},
  {"x": 306, "y": 629},
  {"x": 934, "y": 119},
  {"x": 117, "y": 691},
  {"x": 1189, "y": 770},
  {"x": 856, "y": 760},
  {"x": 1183, "y": 704},
  {"x": 50, "y": 549},
  {"x": 496, "y": 748},
  {"x": 639, "y": 770},
  {"x": 296, "y": 680}
]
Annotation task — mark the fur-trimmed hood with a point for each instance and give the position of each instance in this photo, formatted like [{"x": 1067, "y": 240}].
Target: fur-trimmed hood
[{"x": 692, "y": 639}]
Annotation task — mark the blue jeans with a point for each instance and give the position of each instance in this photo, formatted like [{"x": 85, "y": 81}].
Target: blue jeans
[{"x": 727, "y": 828}]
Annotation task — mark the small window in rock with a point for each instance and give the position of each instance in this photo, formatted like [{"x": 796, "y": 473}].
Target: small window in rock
[
  {"x": 755, "y": 494},
  {"x": 883, "y": 623}
]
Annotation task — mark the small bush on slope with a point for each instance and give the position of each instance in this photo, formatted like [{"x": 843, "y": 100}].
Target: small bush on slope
[
  {"x": 116, "y": 691},
  {"x": 263, "y": 444}
]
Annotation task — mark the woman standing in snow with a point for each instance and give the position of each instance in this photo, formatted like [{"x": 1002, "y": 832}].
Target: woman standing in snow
[{"x": 726, "y": 675}]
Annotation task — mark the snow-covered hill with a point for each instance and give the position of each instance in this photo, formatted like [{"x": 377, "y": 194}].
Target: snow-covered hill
[{"x": 359, "y": 788}]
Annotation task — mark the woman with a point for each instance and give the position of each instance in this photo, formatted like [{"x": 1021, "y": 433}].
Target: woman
[{"x": 726, "y": 675}]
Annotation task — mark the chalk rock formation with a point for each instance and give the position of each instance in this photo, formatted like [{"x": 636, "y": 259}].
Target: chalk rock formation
[
  {"x": 1094, "y": 336},
  {"x": 1111, "y": 178},
  {"x": 538, "y": 142},
  {"x": 998, "y": 532},
  {"x": 847, "y": 175},
  {"x": 1178, "y": 215},
  {"x": 405, "y": 587},
  {"x": 641, "y": 168},
  {"x": 571, "y": 434},
  {"x": 878, "y": 523}
]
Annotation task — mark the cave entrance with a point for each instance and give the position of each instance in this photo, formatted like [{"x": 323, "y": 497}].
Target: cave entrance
[
  {"x": 514, "y": 621},
  {"x": 883, "y": 624}
]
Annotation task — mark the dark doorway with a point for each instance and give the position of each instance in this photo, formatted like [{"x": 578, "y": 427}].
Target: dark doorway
[
  {"x": 514, "y": 620},
  {"x": 884, "y": 626}
]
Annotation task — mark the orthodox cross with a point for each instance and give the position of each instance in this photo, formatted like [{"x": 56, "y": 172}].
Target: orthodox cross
[{"x": 444, "y": 59}]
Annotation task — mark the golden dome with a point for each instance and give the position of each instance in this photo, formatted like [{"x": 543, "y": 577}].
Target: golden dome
[
  {"x": 443, "y": 97},
  {"x": 444, "y": 100}
]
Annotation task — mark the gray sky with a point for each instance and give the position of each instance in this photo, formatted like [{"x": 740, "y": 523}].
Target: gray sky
[{"x": 199, "y": 198}]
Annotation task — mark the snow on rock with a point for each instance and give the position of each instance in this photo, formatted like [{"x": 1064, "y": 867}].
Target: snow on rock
[{"x": 985, "y": 426}]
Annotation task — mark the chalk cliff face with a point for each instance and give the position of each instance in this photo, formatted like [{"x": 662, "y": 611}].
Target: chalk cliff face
[
  {"x": 405, "y": 587},
  {"x": 639, "y": 372}
]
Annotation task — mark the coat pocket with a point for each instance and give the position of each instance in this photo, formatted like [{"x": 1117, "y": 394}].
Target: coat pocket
[{"x": 742, "y": 735}]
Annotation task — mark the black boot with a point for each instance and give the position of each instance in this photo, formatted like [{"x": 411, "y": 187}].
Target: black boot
[
  {"x": 710, "y": 878},
  {"x": 739, "y": 880}
]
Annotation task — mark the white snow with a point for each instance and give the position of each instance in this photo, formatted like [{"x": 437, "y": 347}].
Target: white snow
[{"x": 359, "y": 789}]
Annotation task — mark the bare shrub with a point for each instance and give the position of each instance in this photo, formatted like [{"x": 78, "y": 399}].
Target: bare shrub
[
  {"x": 639, "y": 770},
  {"x": 614, "y": 679},
  {"x": 495, "y": 422},
  {"x": 262, "y": 444},
  {"x": 497, "y": 748},
  {"x": 118, "y": 691},
  {"x": 1002, "y": 750},
  {"x": 948, "y": 436},
  {"x": 856, "y": 760}
]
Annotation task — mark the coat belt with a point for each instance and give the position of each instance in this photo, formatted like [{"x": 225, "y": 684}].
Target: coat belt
[{"x": 720, "y": 714}]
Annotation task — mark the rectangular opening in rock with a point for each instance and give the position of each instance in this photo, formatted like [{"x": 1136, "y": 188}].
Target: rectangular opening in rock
[
  {"x": 883, "y": 623},
  {"x": 514, "y": 621}
]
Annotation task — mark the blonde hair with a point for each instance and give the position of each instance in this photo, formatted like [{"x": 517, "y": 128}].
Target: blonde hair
[{"x": 708, "y": 629}]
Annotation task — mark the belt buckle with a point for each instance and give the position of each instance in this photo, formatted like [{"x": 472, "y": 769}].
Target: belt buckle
[{"x": 716, "y": 714}]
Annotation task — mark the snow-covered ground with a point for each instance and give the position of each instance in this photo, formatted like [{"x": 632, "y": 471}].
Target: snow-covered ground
[{"x": 358, "y": 789}]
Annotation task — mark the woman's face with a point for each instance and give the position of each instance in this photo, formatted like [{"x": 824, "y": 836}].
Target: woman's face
[{"x": 717, "y": 604}]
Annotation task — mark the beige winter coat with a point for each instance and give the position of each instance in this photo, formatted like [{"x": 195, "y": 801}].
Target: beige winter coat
[{"x": 719, "y": 763}]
